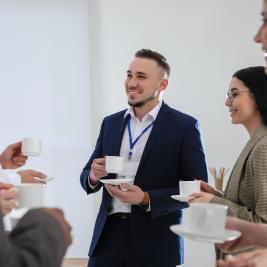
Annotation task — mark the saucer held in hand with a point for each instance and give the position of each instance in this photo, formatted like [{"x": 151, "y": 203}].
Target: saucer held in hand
[
  {"x": 47, "y": 179},
  {"x": 117, "y": 181},
  {"x": 229, "y": 235},
  {"x": 182, "y": 198}
]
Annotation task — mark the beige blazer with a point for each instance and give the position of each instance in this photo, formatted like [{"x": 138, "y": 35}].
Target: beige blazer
[{"x": 246, "y": 190}]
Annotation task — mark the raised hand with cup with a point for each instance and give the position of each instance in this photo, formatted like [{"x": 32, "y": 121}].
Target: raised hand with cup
[
  {"x": 11, "y": 157},
  {"x": 101, "y": 167},
  {"x": 98, "y": 170}
]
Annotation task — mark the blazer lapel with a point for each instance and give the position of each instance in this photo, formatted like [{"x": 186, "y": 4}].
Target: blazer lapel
[
  {"x": 232, "y": 188},
  {"x": 119, "y": 134},
  {"x": 159, "y": 125}
]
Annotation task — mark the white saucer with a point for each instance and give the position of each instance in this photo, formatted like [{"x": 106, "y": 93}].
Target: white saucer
[
  {"x": 229, "y": 235},
  {"x": 48, "y": 179},
  {"x": 116, "y": 181},
  {"x": 182, "y": 198}
]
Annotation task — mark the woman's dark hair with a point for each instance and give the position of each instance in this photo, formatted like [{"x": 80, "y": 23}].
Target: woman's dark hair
[{"x": 255, "y": 80}]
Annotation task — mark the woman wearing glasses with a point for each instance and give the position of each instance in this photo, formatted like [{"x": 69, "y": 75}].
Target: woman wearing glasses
[{"x": 246, "y": 191}]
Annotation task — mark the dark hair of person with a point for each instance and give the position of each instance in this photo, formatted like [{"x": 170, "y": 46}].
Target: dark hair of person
[
  {"x": 161, "y": 60},
  {"x": 255, "y": 80}
]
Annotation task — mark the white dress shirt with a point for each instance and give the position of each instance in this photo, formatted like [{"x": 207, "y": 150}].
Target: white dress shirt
[{"x": 137, "y": 127}]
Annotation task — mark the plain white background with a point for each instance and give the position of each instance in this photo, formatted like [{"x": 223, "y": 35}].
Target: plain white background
[{"x": 63, "y": 64}]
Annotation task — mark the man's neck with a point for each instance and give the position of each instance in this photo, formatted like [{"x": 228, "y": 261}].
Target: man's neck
[{"x": 140, "y": 112}]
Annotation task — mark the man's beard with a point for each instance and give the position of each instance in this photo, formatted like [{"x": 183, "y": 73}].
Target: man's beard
[{"x": 141, "y": 103}]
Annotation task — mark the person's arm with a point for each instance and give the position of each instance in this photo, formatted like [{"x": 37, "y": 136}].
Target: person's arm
[
  {"x": 40, "y": 239},
  {"x": 252, "y": 234},
  {"x": 193, "y": 162},
  {"x": 192, "y": 166},
  {"x": 86, "y": 174},
  {"x": 259, "y": 194},
  {"x": 256, "y": 258}
]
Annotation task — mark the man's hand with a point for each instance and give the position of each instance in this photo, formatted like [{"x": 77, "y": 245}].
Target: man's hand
[
  {"x": 98, "y": 170},
  {"x": 256, "y": 258},
  {"x": 59, "y": 216},
  {"x": 252, "y": 234},
  {"x": 7, "y": 198},
  {"x": 27, "y": 176},
  {"x": 11, "y": 157},
  {"x": 130, "y": 194}
]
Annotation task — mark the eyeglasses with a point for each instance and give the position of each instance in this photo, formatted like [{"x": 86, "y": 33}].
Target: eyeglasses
[{"x": 232, "y": 94}]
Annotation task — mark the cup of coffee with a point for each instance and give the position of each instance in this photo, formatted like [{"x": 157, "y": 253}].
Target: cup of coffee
[
  {"x": 114, "y": 164},
  {"x": 30, "y": 195},
  {"x": 31, "y": 146},
  {"x": 187, "y": 188},
  {"x": 207, "y": 219}
]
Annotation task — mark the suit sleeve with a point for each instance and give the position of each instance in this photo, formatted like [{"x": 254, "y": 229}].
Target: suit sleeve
[
  {"x": 258, "y": 192},
  {"x": 192, "y": 165},
  {"x": 98, "y": 153},
  {"x": 193, "y": 162},
  {"x": 38, "y": 240}
]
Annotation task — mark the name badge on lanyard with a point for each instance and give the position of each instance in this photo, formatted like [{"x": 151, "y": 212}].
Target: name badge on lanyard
[{"x": 132, "y": 142}]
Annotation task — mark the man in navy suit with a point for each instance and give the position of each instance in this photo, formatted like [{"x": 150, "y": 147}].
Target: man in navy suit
[{"x": 160, "y": 146}]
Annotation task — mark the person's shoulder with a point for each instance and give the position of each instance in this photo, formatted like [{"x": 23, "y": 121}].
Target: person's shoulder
[
  {"x": 179, "y": 115},
  {"x": 115, "y": 116},
  {"x": 261, "y": 144}
]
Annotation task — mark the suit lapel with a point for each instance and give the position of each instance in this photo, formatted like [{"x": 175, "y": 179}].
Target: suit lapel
[
  {"x": 159, "y": 125},
  {"x": 120, "y": 126},
  {"x": 232, "y": 188}
]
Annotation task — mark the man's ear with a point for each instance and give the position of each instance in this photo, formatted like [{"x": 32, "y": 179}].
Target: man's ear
[{"x": 163, "y": 84}]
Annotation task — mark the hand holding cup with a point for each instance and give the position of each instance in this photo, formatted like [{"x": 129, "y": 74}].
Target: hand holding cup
[{"x": 11, "y": 157}]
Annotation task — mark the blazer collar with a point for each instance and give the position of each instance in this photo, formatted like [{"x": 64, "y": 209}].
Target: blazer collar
[{"x": 232, "y": 188}]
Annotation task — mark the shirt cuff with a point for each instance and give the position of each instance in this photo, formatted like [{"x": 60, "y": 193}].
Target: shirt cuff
[{"x": 90, "y": 185}]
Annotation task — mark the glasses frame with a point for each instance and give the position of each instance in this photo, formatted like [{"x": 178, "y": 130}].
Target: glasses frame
[{"x": 229, "y": 95}]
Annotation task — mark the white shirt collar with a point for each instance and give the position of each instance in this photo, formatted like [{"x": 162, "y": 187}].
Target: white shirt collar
[{"x": 152, "y": 113}]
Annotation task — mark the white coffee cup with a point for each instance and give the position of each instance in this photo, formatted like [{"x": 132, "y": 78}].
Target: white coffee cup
[
  {"x": 31, "y": 146},
  {"x": 30, "y": 195},
  {"x": 114, "y": 164},
  {"x": 187, "y": 188},
  {"x": 207, "y": 219}
]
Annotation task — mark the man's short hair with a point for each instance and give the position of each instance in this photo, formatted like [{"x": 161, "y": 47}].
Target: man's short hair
[{"x": 150, "y": 54}]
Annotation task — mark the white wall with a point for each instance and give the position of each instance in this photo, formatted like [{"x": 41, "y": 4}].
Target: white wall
[
  {"x": 204, "y": 41},
  {"x": 45, "y": 92}
]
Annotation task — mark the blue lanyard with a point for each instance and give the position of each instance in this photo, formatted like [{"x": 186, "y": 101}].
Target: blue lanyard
[{"x": 131, "y": 142}]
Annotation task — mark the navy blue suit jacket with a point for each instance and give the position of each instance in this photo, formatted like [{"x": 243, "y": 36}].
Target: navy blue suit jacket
[{"x": 173, "y": 152}]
